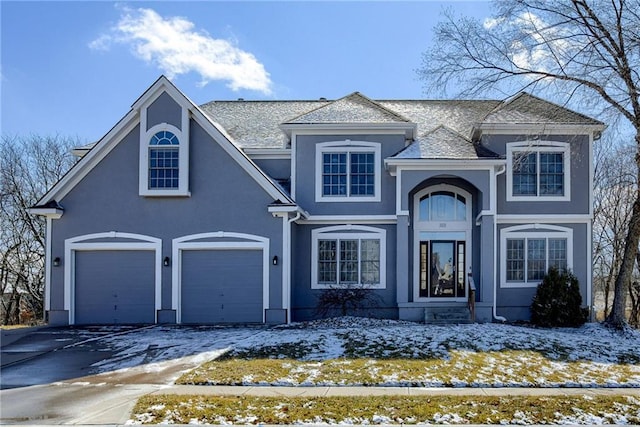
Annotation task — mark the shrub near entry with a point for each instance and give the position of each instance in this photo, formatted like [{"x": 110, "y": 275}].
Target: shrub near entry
[{"x": 558, "y": 301}]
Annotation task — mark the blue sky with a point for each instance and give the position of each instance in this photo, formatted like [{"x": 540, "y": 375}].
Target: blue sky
[{"x": 75, "y": 68}]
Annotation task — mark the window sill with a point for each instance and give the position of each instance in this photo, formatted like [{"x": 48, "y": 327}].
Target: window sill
[
  {"x": 516, "y": 285},
  {"x": 346, "y": 199},
  {"x": 355, "y": 286},
  {"x": 165, "y": 193},
  {"x": 538, "y": 199}
]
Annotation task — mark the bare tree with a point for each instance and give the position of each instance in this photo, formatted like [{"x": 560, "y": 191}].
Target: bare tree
[
  {"x": 28, "y": 168},
  {"x": 570, "y": 51},
  {"x": 614, "y": 187}
]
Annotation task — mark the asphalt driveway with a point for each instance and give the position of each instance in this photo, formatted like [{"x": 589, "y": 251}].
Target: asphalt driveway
[{"x": 94, "y": 375}]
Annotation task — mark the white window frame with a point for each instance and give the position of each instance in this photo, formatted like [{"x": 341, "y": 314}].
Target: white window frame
[
  {"x": 183, "y": 162},
  {"x": 348, "y": 147},
  {"x": 538, "y": 147},
  {"x": 349, "y": 232},
  {"x": 532, "y": 231}
]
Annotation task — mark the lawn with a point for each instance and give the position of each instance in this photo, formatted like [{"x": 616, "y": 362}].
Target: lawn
[
  {"x": 356, "y": 351},
  {"x": 168, "y": 409}
]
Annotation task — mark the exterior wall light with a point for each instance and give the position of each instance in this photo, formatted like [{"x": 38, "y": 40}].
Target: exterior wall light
[
  {"x": 275, "y": 260},
  {"x": 56, "y": 261},
  {"x": 166, "y": 261}
]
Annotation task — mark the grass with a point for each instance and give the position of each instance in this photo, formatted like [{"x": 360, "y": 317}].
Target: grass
[
  {"x": 187, "y": 409},
  {"x": 461, "y": 368}
]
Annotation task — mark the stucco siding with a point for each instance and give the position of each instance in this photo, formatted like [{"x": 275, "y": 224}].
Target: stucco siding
[
  {"x": 304, "y": 298},
  {"x": 305, "y": 179},
  {"x": 579, "y": 178},
  {"x": 514, "y": 302},
  {"x": 224, "y": 197},
  {"x": 164, "y": 110}
]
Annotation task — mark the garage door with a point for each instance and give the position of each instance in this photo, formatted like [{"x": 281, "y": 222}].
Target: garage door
[
  {"x": 221, "y": 286},
  {"x": 114, "y": 287}
]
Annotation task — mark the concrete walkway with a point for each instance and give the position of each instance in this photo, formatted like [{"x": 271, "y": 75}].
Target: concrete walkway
[{"x": 385, "y": 391}]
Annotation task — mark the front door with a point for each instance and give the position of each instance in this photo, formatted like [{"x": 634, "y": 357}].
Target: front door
[
  {"x": 442, "y": 267},
  {"x": 442, "y": 243}
]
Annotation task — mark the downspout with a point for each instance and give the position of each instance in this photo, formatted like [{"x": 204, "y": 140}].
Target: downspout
[
  {"x": 495, "y": 251},
  {"x": 287, "y": 273}
]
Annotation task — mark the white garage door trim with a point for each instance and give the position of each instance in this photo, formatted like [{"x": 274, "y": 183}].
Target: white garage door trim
[
  {"x": 85, "y": 243},
  {"x": 186, "y": 243}
]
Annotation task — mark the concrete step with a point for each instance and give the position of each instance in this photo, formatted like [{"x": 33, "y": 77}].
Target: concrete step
[{"x": 447, "y": 315}]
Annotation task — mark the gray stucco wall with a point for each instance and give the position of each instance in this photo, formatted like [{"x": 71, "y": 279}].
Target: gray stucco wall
[
  {"x": 579, "y": 180},
  {"x": 305, "y": 158},
  {"x": 223, "y": 198},
  {"x": 275, "y": 168},
  {"x": 514, "y": 303},
  {"x": 304, "y": 299},
  {"x": 164, "y": 110}
]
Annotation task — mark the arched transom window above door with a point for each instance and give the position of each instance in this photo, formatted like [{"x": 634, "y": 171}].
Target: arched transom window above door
[{"x": 442, "y": 204}]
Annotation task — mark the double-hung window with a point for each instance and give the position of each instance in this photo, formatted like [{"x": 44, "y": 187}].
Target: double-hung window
[
  {"x": 528, "y": 256},
  {"x": 164, "y": 156},
  {"x": 347, "y": 257},
  {"x": 348, "y": 171},
  {"x": 538, "y": 171}
]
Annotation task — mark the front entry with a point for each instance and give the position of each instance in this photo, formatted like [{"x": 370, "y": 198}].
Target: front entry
[
  {"x": 442, "y": 267},
  {"x": 442, "y": 243}
]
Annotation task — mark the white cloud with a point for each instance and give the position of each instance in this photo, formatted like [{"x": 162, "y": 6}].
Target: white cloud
[{"x": 176, "y": 47}]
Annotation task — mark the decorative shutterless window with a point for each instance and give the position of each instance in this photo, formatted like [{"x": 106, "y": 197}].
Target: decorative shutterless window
[
  {"x": 164, "y": 164},
  {"x": 347, "y": 171},
  {"x": 538, "y": 171},
  {"x": 348, "y": 256},
  {"x": 527, "y": 256}
]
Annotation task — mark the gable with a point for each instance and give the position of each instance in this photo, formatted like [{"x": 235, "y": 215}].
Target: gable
[{"x": 162, "y": 102}]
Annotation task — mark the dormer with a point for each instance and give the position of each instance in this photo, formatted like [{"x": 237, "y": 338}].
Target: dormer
[{"x": 164, "y": 141}]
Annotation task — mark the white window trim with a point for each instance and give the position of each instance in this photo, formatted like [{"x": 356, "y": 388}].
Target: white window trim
[
  {"x": 538, "y": 147},
  {"x": 183, "y": 161},
  {"x": 349, "y": 232},
  {"x": 532, "y": 231},
  {"x": 348, "y": 146}
]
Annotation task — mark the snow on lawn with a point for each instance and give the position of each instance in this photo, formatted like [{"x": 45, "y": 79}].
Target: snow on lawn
[
  {"x": 352, "y": 351},
  {"x": 359, "y": 351}
]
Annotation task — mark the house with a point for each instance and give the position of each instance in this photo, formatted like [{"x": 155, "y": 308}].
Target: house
[{"x": 246, "y": 211}]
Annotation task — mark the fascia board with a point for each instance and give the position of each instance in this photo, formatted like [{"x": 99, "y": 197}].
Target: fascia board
[
  {"x": 54, "y": 213},
  {"x": 445, "y": 164},
  {"x": 91, "y": 159},
  {"x": 409, "y": 129},
  {"x": 239, "y": 156},
  {"x": 268, "y": 153},
  {"x": 536, "y": 128},
  {"x": 163, "y": 84}
]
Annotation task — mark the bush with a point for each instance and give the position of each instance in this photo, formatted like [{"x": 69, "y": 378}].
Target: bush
[
  {"x": 346, "y": 300},
  {"x": 558, "y": 301}
]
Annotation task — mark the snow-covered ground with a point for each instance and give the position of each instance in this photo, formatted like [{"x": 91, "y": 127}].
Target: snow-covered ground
[{"x": 584, "y": 357}]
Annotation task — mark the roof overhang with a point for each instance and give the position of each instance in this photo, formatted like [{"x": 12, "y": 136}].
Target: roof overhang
[
  {"x": 409, "y": 129},
  {"x": 537, "y": 129},
  {"x": 278, "y": 209},
  {"x": 392, "y": 165},
  {"x": 51, "y": 210}
]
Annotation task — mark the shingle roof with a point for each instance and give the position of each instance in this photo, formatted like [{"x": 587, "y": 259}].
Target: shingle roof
[
  {"x": 255, "y": 124},
  {"x": 354, "y": 108},
  {"x": 444, "y": 143},
  {"x": 525, "y": 108}
]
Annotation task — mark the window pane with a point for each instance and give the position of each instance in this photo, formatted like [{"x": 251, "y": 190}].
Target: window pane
[
  {"x": 370, "y": 261},
  {"x": 163, "y": 167},
  {"x": 348, "y": 261},
  {"x": 536, "y": 259},
  {"x": 334, "y": 174},
  {"x": 164, "y": 138},
  {"x": 524, "y": 174},
  {"x": 443, "y": 206},
  {"x": 552, "y": 174},
  {"x": 424, "y": 208},
  {"x": 362, "y": 174},
  {"x": 558, "y": 254},
  {"x": 515, "y": 260},
  {"x": 327, "y": 265},
  {"x": 461, "y": 208}
]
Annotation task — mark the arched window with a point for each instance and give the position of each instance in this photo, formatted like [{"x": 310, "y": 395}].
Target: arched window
[
  {"x": 443, "y": 206},
  {"x": 164, "y": 160}
]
